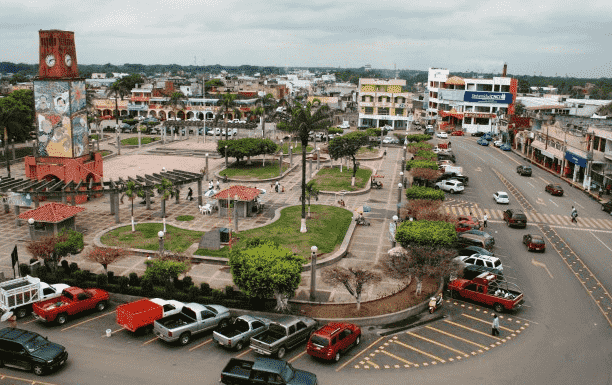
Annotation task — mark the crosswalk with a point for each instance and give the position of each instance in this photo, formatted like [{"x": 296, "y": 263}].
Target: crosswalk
[{"x": 533, "y": 217}]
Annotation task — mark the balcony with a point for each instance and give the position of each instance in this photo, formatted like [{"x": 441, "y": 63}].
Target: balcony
[
  {"x": 140, "y": 98},
  {"x": 136, "y": 107}
]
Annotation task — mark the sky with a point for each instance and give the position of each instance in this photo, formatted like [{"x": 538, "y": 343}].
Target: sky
[{"x": 552, "y": 38}]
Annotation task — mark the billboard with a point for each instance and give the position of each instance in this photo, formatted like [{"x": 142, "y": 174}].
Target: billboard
[
  {"x": 61, "y": 118},
  {"x": 487, "y": 97}
]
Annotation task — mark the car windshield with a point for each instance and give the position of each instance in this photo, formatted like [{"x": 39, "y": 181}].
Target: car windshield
[
  {"x": 277, "y": 330},
  {"x": 503, "y": 195},
  {"x": 35, "y": 343},
  {"x": 537, "y": 241},
  {"x": 497, "y": 263}
]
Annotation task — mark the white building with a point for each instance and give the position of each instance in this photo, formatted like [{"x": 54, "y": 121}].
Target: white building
[
  {"x": 470, "y": 104},
  {"x": 383, "y": 102}
]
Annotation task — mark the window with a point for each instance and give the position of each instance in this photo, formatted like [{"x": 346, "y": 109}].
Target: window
[
  {"x": 301, "y": 325},
  {"x": 168, "y": 307},
  {"x": 383, "y": 111},
  {"x": 479, "y": 262},
  {"x": 207, "y": 314},
  {"x": 292, "y": 329},
  {"x": 399, "y": 112},
  {"x": 334, "y": 340},
  {"x": 257, "y": 324},
  {"x": 48, "y": 291},
  {"x": 471, "y": 287},
  {"x": 369, "y": 110}
]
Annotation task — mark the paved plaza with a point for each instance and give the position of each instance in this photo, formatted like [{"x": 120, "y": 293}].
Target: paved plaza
[{"x": 367, "y": 245}]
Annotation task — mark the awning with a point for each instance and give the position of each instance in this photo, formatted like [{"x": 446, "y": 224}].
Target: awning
[{"x": 549, "y": 151}]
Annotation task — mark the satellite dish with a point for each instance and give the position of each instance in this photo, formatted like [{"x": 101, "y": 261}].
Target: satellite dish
[{"x": 6, "y": 316}]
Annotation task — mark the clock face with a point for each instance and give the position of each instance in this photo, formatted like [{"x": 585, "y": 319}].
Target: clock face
[
  {"x": 50, "y": 60},
  {"x": 68, "y": 60}
]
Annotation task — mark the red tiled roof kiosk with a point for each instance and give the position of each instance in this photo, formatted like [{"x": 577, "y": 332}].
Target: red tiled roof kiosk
[
  {"x": 52, "y": 217},
  {"x": 245, "y": 199}
]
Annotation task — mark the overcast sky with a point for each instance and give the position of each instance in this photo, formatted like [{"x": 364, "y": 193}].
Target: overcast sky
[{"x": 535, "y": 36}]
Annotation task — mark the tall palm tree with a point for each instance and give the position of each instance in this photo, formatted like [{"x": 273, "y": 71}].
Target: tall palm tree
[
  {"x": 302, "y": 119},
  {"x": 267, "y": 105},
  {"x": 132, "y": 190},
  {"x": 311, "y": 192},
  {"x": 117, "y": 90},
  {"x": 227, "y": 103},
  {"x": 176, "y": 103}
]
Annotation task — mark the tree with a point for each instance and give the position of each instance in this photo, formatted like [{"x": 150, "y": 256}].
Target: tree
[
  {"x": 246, "y": 147},
  {"x": 353, "y": 279},
  {"x": 266, "y": 105},
  {"x": 18, "y": 78},
  {"x": 348, "y": 145},
  {"x": 105, "y": 256},
  {"x": 176, "y": 102},
  {"x": 214, "y": 83},
  {"x": 311, "y": 192},
  {"x": 523, "y": 86},
  {"x": 54, "y": 247},
  {"x": 117, "y": 90},
  {"x": 16, "y": 119},
  {"x": 165, "y": 190},
  {"x": 132, "y": 191},
  {"x": 264, "y": 269},
  {"x": 418, "y": 262},
  {"x": 302, "y": 119},
  {"x": 162, "y": 271},
  {"x": 519, "y": 109},
  {"x": 227, "y": 103}
]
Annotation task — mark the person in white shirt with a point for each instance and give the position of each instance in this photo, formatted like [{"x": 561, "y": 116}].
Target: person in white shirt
[{"x": 495, "y": 326}]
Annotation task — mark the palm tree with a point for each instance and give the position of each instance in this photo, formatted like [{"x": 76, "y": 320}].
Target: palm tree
[
  {"x": 266, "y": 105},
  {"x": 117, "y": 90},
  {"x": 311, "y": 192},
  {"x": 165, "y": 190},
  {"x": 132, "y": 191},
  {"x": 302, "y": 119},
  {"x": 227, "y": 103},
  {"x": 176, "y": 102}
]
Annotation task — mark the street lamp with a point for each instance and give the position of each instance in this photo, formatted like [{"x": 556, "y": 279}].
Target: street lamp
[
  {"x": 226, "y": 156},
  {"x": 290, "y": 156},
  {"x": 163, "y": 169},
  {"x": 402, "y": 177},
  {"x": 399, "y": 197},
  {"x": 160, "y": 234},
  {"x": 313, "y": 273},
  {"x": 207, "y": 167},
  {"x": 31, "y": 222},
  {"x": 395, "y": 218}
]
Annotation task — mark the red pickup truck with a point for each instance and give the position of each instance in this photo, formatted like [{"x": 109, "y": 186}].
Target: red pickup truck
[
  {"x": 72, "y": 301},
  {"x": 487, "y": 289}
]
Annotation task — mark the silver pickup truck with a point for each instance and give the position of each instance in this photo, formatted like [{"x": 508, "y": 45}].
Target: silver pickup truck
[
  {"x": 237, "y": 334},
  {"x": 193, "y": 319},
  {"x": 283, "y": 334}
]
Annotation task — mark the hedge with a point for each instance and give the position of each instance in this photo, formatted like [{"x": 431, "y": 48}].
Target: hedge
[
  {"x": 426, "y": 155},
  {"x": 414, "y": 147},
  {"x": 421, "y": 192},
  {"x": 418, "y": 138},
  {"x": 426, "y": 233},
  {"x": 421, "y": 164}
]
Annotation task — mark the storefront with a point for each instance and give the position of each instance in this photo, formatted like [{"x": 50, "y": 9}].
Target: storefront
[
  {"x": 575, "y": 166},
  {"x": 547, "y": 156}
]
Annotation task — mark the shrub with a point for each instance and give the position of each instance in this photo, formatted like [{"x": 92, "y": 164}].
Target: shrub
[
  {"x": 102, "y": 280},
  {"x": 123, "y": 284},
  {"x": 187, "y": 283},
  {"x": 193, "y": 292},
  {"x": 170, "y": 288},
  {"x": 147, "y": 287},
  {"x": 111, "y": 277},
  {"x": 65, "y": 265},
  {"x": 333, "y": 130},
  {"x": 419, "y": 192},
  {"x": 229, "y": 291},
  {"x": 414, "y": 147},
  {"x": 59, "y": 275},
  {"x": 134, "y": 280},
  {"x": 426, "y": 155},
  {"x": 205, "y": 289},
  {"x": 426, "y": 233},
  {"x": 24, "y": 269},
  {"x": 418, "y": 138},
  {"x": 80, "y": 276},
  {"x": 217, "y": 295},
  {"x": 73, "y": 267},
  {"x": 421, "y": 164},
  {"x": 184, "y": 218}
]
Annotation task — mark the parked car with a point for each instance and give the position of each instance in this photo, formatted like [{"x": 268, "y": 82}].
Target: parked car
[
  {"x": 285, "y": 333},
  {"x": 16, "y": 297},
  {"x": 501, "y": 197},
  {"x": 462, "y": 226},
  {"x": 72, "y": 301},
  {"x": 333, "y": 339},
  {"x": 453, "y": 175},
  {"x": 446, "y": 155},
  {"x": 607, "y": 207},
  {"x": 498, "y": 143},
  {"x": 453, "y": 186},
  {"x": 28, "y": 350},
  {"x": 468, "y": 218},
  {"x": 238, "y": 334},
  {"x": 473, "y": 271},
  {"x": 534, "y": 242},
  {"x": 142, "y": 313},
  {"x": 505, "y": 147},
  {"x": 483, "y": 142},
  {"x": 469, "y": 250},
  {"x": 457, "y": 133},
  {"x": 516, "y": 218},
  {"x": 429, "y": 127},
  {"x": 524, "y": 170},
  {"x": 264, "y": 371},
  {"x": 386, "y": 140},
  {"x": 478, "y": 133},
  {"x": 442, "y": 135},
  {"x": 489, "y": 290},
  {"x": 554, "y": 189},
  {"x": 481, "y": 260},
  {"x": 192, "y": 319},
  {"x": 482, "y": 234},
  {"x": 466, "y": 239},
  {"x": 487, "y": 136}
]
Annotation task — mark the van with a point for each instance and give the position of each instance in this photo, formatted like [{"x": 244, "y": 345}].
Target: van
[{"x": 465, "y": 240}]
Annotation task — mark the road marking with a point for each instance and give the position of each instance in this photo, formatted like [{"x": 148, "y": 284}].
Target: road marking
[
  {"x": 540, "y": 201},
  {"x": 245, "y": 352},
  {"x": 540, "y": 264},
  {"x": 438, "y": 343},
  {"x": 115, "y": 331},
  {"x": 487, "y": 322},
  {"x": 457, "y": 337},
  {"x": 606, "y": 246},
  {"x": 358, "y": 354},
  {"x": 149, "y": 341},
  {"x": 398, "y": 358},
  {"x": 551, "y": 201},
  {"x": 30, "y": 321},
  {"x": 472, "y": 330},
  {"x": 544, "y": 180},
  {"x": 3, "y": 376},
  {"x": 91, "y": 319},
  {"x": 202, "y": 344},
  {"x": 420, "y": 351},
  {"x": 578, "y": 204},
  {"x": 529, "y": 183},
  {"x": 296, "y": 357}
]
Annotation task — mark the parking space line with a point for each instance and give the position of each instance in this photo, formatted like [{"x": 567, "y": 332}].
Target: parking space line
[
  {"x": 544, "y": 180},
  {"x": 296, "y": 357},
  {"x": 358, "y": 354},
  {"x": 487, "y": 322},
  {"x": 149, "y": 341},
  {"x": 457, "y": 337},
  {"x": 437, "y": 343},
  {"x": 420, "y": 351},
  {"x": 3, "y": 376},
  {"x": 244, "y": 353},
  {"x": 398, "y": 358},
  {"x": 91, "y": 319},
  {"x": 472, "y": 330},
  {"x": 202, "y": 344},
  {"x": 115, "y": 331}
]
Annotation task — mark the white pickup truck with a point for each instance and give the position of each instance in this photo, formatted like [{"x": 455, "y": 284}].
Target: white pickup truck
[{"x": 18, "y": 295}]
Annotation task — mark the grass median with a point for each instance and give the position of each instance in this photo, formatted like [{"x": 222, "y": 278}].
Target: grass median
[
  {"x": 331, "y": 179},
  {"x": 256, "y": 170},
  {"x": 133, "y": 141},
  {"x": 145, "y": 237}
]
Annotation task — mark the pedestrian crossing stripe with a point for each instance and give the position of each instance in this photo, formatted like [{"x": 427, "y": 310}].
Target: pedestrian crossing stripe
[{"x": 562, "y": 220}]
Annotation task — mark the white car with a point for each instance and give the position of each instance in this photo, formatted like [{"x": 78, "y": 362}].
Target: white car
[
  {"x": 501, "y": 197},
  {"x": 453, "y": 186},
  {"x": 429, "y": 127},
  {"x": 481, "y": 260},
  {"x": 498, "y": 143},
  {"x": 442, "y": 135},
  {"x": 390, "y": 139}
]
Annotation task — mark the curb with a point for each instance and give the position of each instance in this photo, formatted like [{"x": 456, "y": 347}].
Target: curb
[
  {"x": 227, "y": 180},
  {"x": 410, "y": 326}
]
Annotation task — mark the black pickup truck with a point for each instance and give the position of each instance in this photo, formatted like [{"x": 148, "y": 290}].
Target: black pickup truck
[{"x": 264, "y": 371}]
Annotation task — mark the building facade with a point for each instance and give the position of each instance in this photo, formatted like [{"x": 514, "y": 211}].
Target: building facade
[{"x": 383, "y": 102}]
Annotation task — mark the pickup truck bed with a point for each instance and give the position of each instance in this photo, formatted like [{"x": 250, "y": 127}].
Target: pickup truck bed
[
  {"x": 175, "y": 321},
  {"x": 269, "y": 337}
]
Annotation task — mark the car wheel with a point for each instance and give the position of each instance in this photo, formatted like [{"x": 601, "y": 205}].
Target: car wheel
[
  {"x": 498, "y": 307},
  {"x": 101, "y": 306},
  {"x": 239, "y": 346},
  {"x": 22, "y": 312},
  {"x": 357, "y": 340},
  {"x": 62, "y": 319},
  {"x": 38, "y": 370},
  {"x": 184, "y": 339},
  {"x": 452, "y": 191},
  {"x": 281, "y": 352},
  {"x": 337, "y": 357}
]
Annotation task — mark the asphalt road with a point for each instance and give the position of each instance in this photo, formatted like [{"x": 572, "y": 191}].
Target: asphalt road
[{"x": 561, "y": 336}]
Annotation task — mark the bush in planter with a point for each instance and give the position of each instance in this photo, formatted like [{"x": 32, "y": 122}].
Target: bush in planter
[
  {"x": 73, "y": 267},
  {"x": 147, "y": 287},
  {"x": 124, "y": 282},
  {"x": 170, "y": 288},
  {"x": 65, "y": 265},
  {"x": 134, "y": 279},
  {"x": 229, "y": 291},
  {"x": 80, "y": 277},
  {"x": 111, "y": 277},
  {"x": 24, "y": 269},
  {"x": 187, "y": 283},
  {"x": 102, "y": 280},
  {"x": 419, "y": 192},
  {"x": 194, "y": 292},
  {"x": 217, "y": 295},
  {"x": 205, "y": 289}
]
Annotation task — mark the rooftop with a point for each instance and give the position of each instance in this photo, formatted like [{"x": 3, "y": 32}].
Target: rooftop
[{"x": 52, "y": 212}]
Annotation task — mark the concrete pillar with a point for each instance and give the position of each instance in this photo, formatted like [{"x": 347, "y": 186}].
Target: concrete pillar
[
  {"x": 280, "y": 165},
  {"x": 575, "y": 176},
  {"x": 178, "y": 193},
  {"x": 117, "y": 219},
  {"x": 64, "y": 199},
  {"x": 236, "y": 213},
  {"x": 17, "y": 220},
  {"x": 139, "y": 139},
  {"x": 74, "y": 195},
  {"x": 200, "y": 192},
  {"x": 207, "y": 179},
  {"x": 111, "y": 197},
  {"x": 36, "y": 201},
  {"x": 118, "y": 144},
  {"x": 172, "y": 134}
]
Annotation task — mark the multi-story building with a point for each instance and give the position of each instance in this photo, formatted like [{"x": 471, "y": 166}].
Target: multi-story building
[
  {"x": 383, "y": 102},
  {"x": 469, "y": 104}
]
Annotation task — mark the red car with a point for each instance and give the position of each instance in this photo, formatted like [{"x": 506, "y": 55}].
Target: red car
[
  {"x": 534, "y": 242},
  {"x": 72, "y": 301},
  {"x": 554, "y": 189},
  {"x": 470, "y": 218},
  {"x": 107, "y": 117},
  {"x": 462, "y": 226},
  {"x": 332, "y": 340},
  {"x": 457, "y": 133}
]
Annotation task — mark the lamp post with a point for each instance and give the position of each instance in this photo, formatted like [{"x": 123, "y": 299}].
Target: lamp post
[
  {"x": 318, "y": 157},
  {"x": 395, "y": 218},
  {"x": 313, "y": 273},
  {"x": 31, "y": 223},
  {"x": 403, "y": 164},
  {"x": 226, "y": 156},
  {"x": 118, "y": 143},
  {"x": 290, "y": 156},
  {"x": 399, "y": 197},
  {"x": 160, "y": 234},
  {"x": 207, "y": 167},
  {"x": 402, "y": 178}
]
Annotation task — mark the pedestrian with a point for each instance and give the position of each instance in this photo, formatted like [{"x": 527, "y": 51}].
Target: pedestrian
[
  {"x": 495, "y": 326},
  {"x": 190, "y": 194},
  {"x": 276, "y": 187},
  {"x": 13, "y": 321},
  {"x": 599, "y": 193},
  {"x": 210, "y": 185},
  {"x": 449, "y": 144},
  {"x": 484, "y": 220},
  {"x": 385, "y": 153},
  {"x": 574, "y": 214}
]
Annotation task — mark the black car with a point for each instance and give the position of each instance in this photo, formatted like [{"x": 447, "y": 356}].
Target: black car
[
  {"x": 471, "y": 250},
  {"x": 443, "y": 156},
  {"x": 478, "y": 133},
  {"x": 515, "y": 218},
  {"x": 473, "y": 271},
  {"x": 607, "y": 207},
  {"x": 451, "y": 175},
  {"x": 524, "y": 170},
  {"x": 27, "y": 350}
]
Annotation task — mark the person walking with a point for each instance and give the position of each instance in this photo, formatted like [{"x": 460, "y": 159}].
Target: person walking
[
  {"x": 484, "y": 220},
  {"x": 574, "y": 214},
  {"x": 495, "y": 326},
  {"x": 218, "y": 185},
  {"x": 13, "y": 321},
  {"x": 190, "y": 194}
]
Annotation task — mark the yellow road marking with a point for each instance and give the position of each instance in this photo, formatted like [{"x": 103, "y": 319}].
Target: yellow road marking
[
  {"x": 151, "y": 340},
  {"x": 397, "y": 358},
  {"x": 541, "y": 264},
  {"x": 457, "y": 337},
  {"x": 243, "y": 353},
  {"x": 3, "y": 376},
  {"x": 488, "y": 323},
  {"x": 202, "y": 344},
  {"x": 91, "y": 319},
  {"x": 296, "y": 357},
  {"x": 472, "y": 330},
  {"x": 115, "y": 331},
  {"x": 420, "y": 351},
  {"x": 438, "y": 343},
  {"x": 360, "y": 353}
]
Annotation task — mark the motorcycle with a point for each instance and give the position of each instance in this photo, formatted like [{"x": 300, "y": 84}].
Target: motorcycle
[
  {"x": 435, "y": 303},
  {"x": 362, "y": 221},
  {"x": 376, "y": 184}
]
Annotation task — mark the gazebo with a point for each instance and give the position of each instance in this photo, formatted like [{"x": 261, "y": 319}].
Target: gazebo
[
  {"x": 243, "y": 198},
  {"x": 51, "y": 218}
]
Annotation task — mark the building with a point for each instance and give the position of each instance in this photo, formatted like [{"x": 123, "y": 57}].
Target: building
[
  {"x": 384, "y": 102},
  {"x": 469, "y": 104}
]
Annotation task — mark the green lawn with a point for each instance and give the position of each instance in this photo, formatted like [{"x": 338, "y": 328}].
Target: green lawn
[
  {"x": 364, "y": 151},
  {"x": 145, "y": 237},
  {"x": 105, "y": 152},
  {"x": 241, "y": 170},
  {"x": 133, "y": 141},
  {"x": 326, "y": 230},
  {"x": 331, "y": 179},
  {"x": 296, "y": 150},
  {"x": 94, "y": 136}
]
